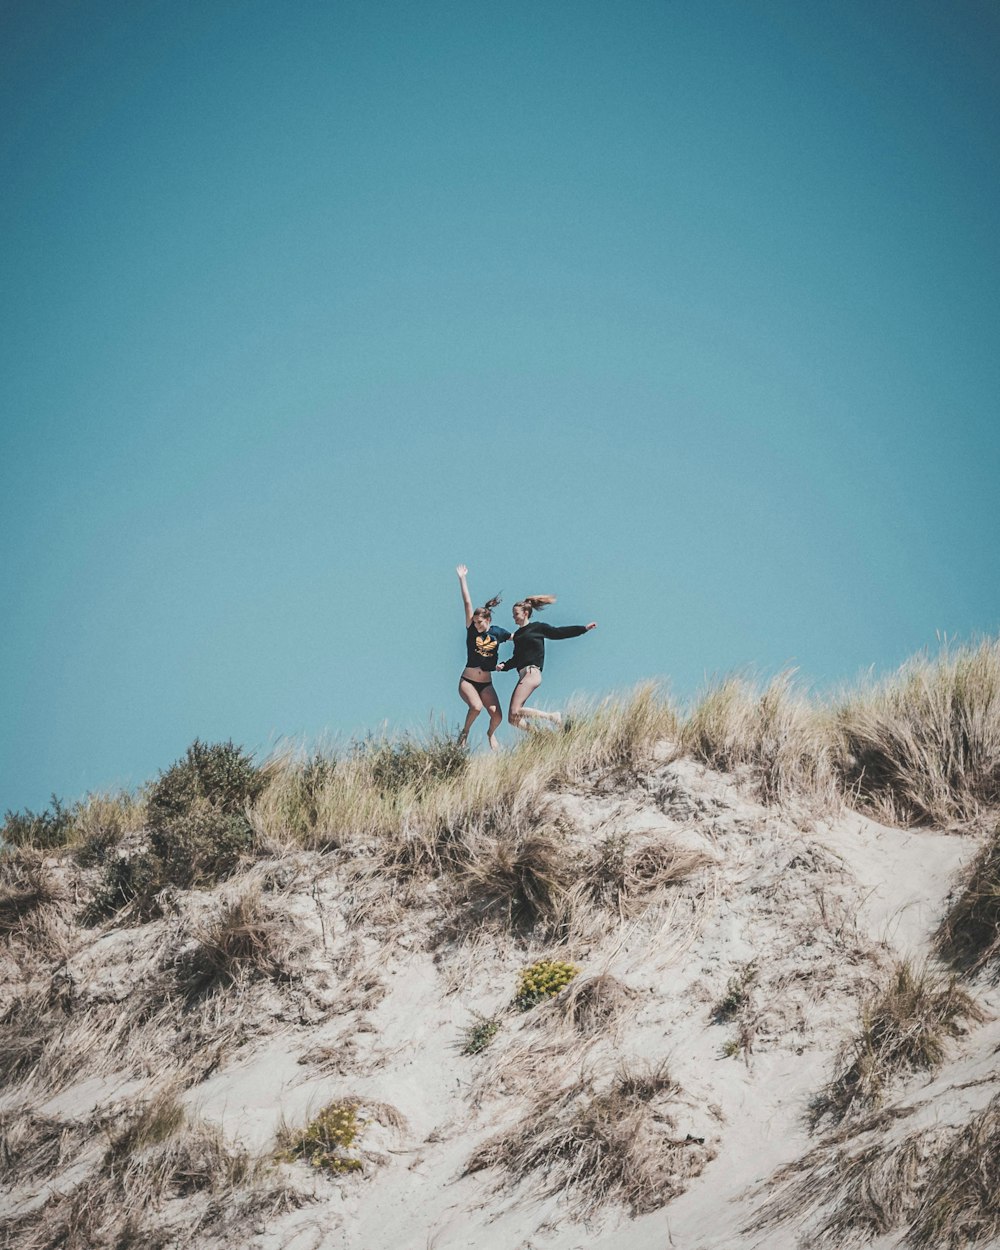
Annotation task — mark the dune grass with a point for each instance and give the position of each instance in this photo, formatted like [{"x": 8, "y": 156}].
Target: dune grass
[
  {"x": 969, "y": 935},
  {"x": 600, "y": 1146},
  {"x": 923, "y": 746},
  {"x": 905, "y": 1027},
  {"x": 776, "y": 733}
]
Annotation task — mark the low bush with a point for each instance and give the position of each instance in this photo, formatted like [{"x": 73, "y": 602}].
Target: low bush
[
  {"x": 542, "y": 980},
  {"x": 331, "y": 1142},
  {"x": 220, "y": 773},
  {"x": 905, "y": 1027}
]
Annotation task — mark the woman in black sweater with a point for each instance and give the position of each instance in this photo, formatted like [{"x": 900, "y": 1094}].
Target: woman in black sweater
[{"x": 529, "y": 656}]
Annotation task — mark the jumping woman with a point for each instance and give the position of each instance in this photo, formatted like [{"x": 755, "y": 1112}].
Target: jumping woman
[
  {"x": 529, "y": 656},
  {"x": 482, "y": 639}
]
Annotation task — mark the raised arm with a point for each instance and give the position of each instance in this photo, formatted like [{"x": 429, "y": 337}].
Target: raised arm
[{"x": 462, "y": 571}]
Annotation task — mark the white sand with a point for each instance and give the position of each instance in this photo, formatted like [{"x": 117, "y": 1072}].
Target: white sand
[{"x": 820, "y": 911}]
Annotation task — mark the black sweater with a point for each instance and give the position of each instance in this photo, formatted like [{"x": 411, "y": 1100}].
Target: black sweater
[{"x": 529, "y": 641}]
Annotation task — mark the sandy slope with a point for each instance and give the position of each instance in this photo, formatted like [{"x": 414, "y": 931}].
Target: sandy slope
[{"x": 378, "y": 1011}]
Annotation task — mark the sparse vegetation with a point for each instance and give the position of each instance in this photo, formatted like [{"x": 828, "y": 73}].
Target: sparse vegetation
[
  {"x": 904, "y": 1028},
  {"x": 479, "y": 1035},
  {"x": 543, "y": 979},
  {"x": 242, "y": 942},
  {"x": 737, "y": 995},
  {"x": 600, "y": 1147},
  {"x": 969, "y": 935}
]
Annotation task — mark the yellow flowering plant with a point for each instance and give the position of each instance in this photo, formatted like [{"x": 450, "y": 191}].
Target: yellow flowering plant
[{"x": 541, "y": 980}]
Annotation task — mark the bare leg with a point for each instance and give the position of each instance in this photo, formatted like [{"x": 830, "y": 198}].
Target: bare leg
[
  {"x": 492, "y": 705},
  {"x": 470, "y": 696},
  {"x": 518, "y": 713}
]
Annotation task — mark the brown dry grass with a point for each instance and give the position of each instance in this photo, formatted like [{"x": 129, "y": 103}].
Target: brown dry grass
[
  {"x": 598, "y": 1148},
  {"x": 904, "y": 1027}
]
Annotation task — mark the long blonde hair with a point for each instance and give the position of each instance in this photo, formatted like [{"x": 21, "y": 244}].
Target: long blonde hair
[{"x": 535, "y": 603}]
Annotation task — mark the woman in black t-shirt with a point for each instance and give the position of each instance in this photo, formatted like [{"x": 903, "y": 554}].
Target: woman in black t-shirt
[
  {"x": 482, "y": 642},
  {"x": 529, "y": 656}
]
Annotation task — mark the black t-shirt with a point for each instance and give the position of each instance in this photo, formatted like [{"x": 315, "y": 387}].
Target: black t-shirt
[
  {"x": 482, "y": 648},
  {"x": 529, "y": 641}
]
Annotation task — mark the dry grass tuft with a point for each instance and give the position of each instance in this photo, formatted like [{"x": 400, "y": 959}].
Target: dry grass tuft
[
  {"x": 865, "y": 1188},
  {"x": 26, "y": 884},
  {"x": 600, "y": 1148},
  {"x": 961, "y": 1204},
  {"x": 904, "y": 1028},
  {"x": 774, "y": 731},
  {"x": 923, "y": 747},
  {"x": 244, "y": 942},
  {"x": 969, "y": 936},
  {"x": 627, "y": 881},
  {"x": 517, "y": 883},
  {"x": 592, "y": 1005}
]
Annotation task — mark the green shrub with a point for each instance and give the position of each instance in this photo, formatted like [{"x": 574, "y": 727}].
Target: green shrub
[
  {"x": 129, "y": 878},
  {"x": 324, "y": 1142},
  {"x": 479, "y": 1035},
  {"x": 737, "y": 995},
  {"x": 221, "y": 773},
  {"x": 49, "y": 828},
  {"x": 541, "y": 980},
  {"x": 201, "y": 847}
]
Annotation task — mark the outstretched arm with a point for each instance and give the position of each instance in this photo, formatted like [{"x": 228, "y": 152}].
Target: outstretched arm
[
  {"x": 462, "y": 571},
  {"x": 564, "y": 631}
]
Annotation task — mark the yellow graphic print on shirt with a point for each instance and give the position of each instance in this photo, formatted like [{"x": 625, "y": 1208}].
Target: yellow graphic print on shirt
[{"x": 486, "y": 644}]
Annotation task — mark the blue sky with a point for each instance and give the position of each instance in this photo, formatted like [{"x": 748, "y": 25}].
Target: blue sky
[{"x": 684, "y": 312}]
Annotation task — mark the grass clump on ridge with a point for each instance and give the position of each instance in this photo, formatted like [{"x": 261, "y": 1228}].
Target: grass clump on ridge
[
  {"x": 923, "y": 747},
  {"x": 904, "y": 1028},
  {"x": 774, "y": 731},
  {"x": 423, "y": 800}
]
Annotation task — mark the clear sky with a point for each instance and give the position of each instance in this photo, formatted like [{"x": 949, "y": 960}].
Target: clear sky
[{"x": 685, "y": 311}]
